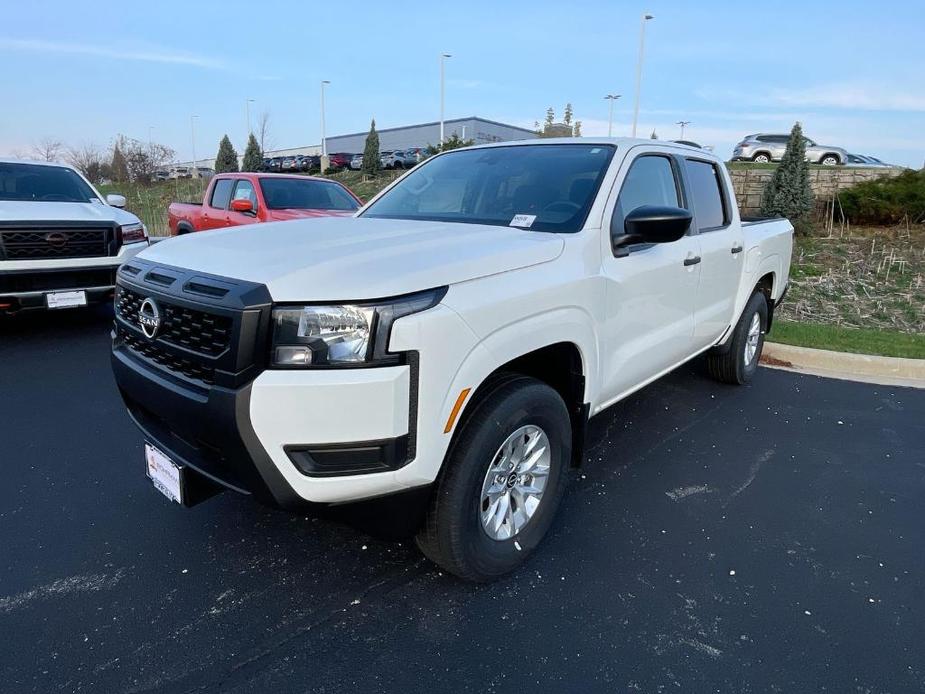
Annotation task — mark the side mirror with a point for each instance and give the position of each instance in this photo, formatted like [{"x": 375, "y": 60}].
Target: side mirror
[
  {"x": 115, "y": 200},
  {"x": 244, "y": 205},
  {"x": 651, "y": 224}
]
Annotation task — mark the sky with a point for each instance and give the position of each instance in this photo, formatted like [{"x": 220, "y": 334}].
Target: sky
[{"x": 852, "y": 72}]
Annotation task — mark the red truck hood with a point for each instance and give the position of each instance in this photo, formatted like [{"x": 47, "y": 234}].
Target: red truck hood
[{"x": 284, "y": 215}]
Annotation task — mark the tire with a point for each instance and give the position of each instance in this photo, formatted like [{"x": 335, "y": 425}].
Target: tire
[
  {"x": 740, "y": 362},
  {"x": 454, "y": 535},
  {"x": 762, "y": 158},
  {"x": 398, "y": 165},
  {"x": 829, "y": 160}
]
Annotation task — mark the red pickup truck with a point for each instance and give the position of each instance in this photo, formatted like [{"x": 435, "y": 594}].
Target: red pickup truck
[{"x": 248, "y": 198}]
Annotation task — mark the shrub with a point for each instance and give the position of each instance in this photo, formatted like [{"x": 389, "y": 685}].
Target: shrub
[
  {"x": 227, "y": 159},
  {"x": 886, "y": 200},
  {"x": 371, "y": 163},
  {"x": 788, "y": 194},
  {"x": 253, "y": 157}
]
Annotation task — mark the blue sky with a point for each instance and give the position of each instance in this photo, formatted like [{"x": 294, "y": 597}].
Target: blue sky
[{"x": 853, "y": 72}]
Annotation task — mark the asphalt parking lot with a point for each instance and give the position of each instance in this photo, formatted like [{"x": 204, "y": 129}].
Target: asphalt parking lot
[{"x": 759, "y": 539}]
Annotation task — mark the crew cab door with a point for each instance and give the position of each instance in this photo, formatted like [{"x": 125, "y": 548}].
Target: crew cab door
[
  {"x": 721, "y": 248},
  {"x": 651, "y": 289},
  {"x": 243, "y": 190},
  {"x": 215, "y": 207}
]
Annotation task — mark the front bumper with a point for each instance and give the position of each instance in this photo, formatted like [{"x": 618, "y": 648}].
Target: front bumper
[
  {"x": 287, "y": 437},
  {"x": 24, "y": 283}
]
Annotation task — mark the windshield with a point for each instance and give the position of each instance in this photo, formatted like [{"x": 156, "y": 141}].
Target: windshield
[
  {"x": 538, "y": 187},
  {"x": 306, "y": 194},
  {"x": 37, "y": 183}
]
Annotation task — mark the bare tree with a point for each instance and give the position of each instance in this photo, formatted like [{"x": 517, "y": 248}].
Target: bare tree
[
  {"x": 142, "y": 159},
  {"x": 89, "y": 160},
  {"x": 264, "y": 137},
  {"x": 47, "y": 149}
]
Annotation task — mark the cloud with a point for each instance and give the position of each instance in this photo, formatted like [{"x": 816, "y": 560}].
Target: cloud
[{"x": 152, "y": 54}]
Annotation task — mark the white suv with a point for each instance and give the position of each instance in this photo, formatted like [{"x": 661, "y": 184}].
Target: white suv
[{"x": 60, "y": 242}]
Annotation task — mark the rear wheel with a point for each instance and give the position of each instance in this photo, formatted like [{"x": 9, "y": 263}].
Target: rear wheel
[
  {"x": 502, "y": 481},
  {"x": 739, "y": 363},
  {"x": 762, "y": 158}
]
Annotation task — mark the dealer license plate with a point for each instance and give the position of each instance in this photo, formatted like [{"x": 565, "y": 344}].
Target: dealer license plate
[
  {"x": 66, "y": 299},
  {"x": 164, "y": 474}
]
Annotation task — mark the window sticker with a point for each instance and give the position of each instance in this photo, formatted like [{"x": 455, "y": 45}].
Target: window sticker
[{"x": 524, "y": 221}]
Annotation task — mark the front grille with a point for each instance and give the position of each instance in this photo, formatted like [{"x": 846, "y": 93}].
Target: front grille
[
  {"x": 199, "y": 331},
  {"x": 31, "y": 244},
  {"x": 58, "y": 279},
  {"x": 151, "y": 349}
]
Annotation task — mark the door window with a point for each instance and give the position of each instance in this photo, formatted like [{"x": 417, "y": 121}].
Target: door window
[
  {"x": 650, "y": 181},
  {"x": 706, "y": 193},
  {"x": 221, "y": 193},
  {"x": 244, "y": 190}
]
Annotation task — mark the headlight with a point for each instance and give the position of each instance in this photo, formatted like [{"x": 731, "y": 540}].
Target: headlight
[
  {"x": 342, "y": 335},
  {"x": 132, "y": 233}
]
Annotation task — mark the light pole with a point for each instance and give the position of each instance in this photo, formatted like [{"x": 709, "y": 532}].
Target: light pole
[
  {"x": 192, "y": 135},
  {"x": 443, "y": 57},
  {"x": 642, "y": 41},
  {"x": 682, "y": 123},
  {"x": 324, "y": 147},
  {"x": 247, "y": 113},
  {"x": 611, "y": 98}
]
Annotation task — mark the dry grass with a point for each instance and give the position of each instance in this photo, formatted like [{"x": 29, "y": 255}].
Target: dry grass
[{"x": 868, "y": 277}]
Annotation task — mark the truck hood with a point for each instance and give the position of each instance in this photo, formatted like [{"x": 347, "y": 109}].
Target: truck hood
[
  {"x": 336, "y": 258},
  {"x": 18, "y": 211}
]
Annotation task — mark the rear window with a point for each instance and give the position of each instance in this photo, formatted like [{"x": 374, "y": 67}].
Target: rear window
[
  {"x": 706, "y": 194},
  {"x": 37, "y": 183},
  {"x": 305, "y": 194},
  {"x": 221, "y": 193}
]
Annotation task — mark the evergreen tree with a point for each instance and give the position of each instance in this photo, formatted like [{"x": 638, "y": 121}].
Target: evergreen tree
[
  {"x": 118, "y": 167},
  {"x": 227, "y": 159},
  {"x": 567, "y": 118},
  {"x": 550, "y": 117},
  {"x": 371, "y": 163},
  {"x": 789, "y": 194},
  {"x": 576, "y": 131},
  {"x": 253, "y": 157}
]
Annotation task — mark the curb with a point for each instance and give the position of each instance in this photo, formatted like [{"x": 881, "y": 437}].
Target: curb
[{"x": 893, "y": 371}]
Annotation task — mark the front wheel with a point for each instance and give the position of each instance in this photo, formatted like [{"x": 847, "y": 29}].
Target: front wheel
[
  {"x": 502, "y": 481},
  {"x": 740, "y": 362}
]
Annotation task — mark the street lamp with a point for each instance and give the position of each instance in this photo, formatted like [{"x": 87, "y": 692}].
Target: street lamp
[
  {"x": 611, "y": 98},
  {"x": 682, "y": 123},
  {"x": 642, "y": 40},
  {"x": 324, "y": 147},
  {"x": 247, "y": 112},
  {"x": 192, "y": 134},
  {"x": 443, "y": 57}
]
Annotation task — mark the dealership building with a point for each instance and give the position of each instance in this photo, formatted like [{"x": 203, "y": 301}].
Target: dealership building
[{"x": 480, "y": 130}]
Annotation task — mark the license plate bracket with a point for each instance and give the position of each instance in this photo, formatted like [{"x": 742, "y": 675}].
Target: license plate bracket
[
  {"x": 165, "y": 475},
  {"x": 71, "y": 299}
]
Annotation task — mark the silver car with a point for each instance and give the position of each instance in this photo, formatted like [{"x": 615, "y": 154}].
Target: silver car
[{"x": 767, "y": 147}]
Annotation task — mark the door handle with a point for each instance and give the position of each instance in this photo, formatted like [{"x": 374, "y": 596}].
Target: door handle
[
  {"x": 691, "y": 261},
  {"x": 736, "y": 249}
]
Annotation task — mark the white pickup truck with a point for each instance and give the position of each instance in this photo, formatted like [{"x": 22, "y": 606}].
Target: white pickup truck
[
  {"x": 60, "y": 243},
  {"x": 447, "y": 344}
]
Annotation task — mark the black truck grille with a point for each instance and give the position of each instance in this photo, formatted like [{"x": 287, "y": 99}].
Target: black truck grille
[
  {"x": 204, "y": 336},
  {"x": 53, "y": 242},
  {"x": 205, "y": 333},
  {"x": 191, "y": 368}
]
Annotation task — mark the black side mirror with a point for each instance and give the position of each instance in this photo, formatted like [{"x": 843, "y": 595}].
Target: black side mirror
[{"x": 651, "y": 224}]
